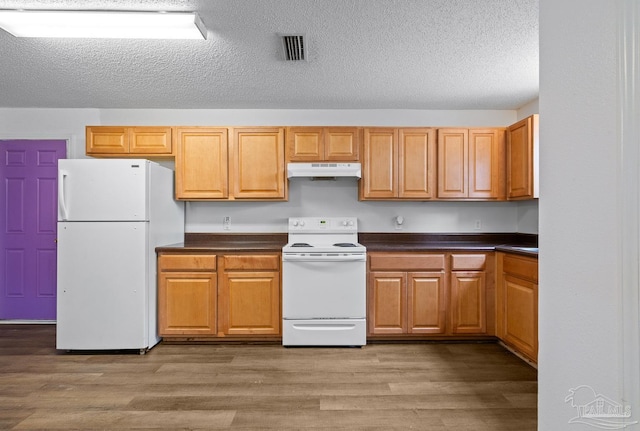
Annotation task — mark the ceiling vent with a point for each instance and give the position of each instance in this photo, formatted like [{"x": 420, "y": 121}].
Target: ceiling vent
[{"x": 294, "y": 47}]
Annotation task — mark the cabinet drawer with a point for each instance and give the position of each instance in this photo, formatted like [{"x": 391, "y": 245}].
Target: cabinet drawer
[
  {"x": 252, "y": 262},
  {"x": 177, "y": 262},
  {"x": 468, "y": 262},
  {"x": 406, "y": 262},
  {"x": 522, "y": 267}
]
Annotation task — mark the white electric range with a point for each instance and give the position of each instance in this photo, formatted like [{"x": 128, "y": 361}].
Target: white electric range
[{"x": 324, "y": 283}]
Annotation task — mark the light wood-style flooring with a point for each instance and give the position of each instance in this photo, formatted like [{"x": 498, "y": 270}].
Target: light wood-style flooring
[{"x": 430, "y": 386}]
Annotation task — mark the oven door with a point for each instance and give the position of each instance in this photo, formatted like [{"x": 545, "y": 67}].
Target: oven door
[{"x": 324, "y": 286}]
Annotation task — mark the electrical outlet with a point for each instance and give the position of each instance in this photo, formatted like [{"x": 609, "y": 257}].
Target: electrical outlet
[
  {"x": 478, "y": 224},
  {"x": 399, "y": 221},
  {"x": 226, "y": 223}
]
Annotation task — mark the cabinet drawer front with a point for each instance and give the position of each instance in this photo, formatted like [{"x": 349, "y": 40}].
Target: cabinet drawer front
[
  {"x": 471, "y": 262},
  {"x": 407, "y": 262},
  {"x": 523, "y": 267},
  {"x": 173, "y": 262},
  {"x": 253, "y": 262}
]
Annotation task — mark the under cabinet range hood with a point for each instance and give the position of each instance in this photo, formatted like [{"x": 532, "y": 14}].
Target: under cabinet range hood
[{"x": 323, "y": 170}]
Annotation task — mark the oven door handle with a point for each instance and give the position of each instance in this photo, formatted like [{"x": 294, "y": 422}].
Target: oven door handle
[{"x": 324, "y": 258}]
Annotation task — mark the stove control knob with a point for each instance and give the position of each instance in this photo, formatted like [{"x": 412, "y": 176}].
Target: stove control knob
[
  {"x": 301, "y": 222},
  {"x": 295, "y": 223}
]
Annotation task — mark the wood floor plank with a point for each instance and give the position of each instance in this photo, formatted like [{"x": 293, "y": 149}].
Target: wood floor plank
[{"x": 425, "y": 386}]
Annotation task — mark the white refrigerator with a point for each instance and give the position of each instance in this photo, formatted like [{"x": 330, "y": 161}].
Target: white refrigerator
[{"x": 112, "y": 213}]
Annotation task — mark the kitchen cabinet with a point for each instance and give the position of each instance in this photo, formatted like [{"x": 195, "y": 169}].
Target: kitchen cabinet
[
  {"x": 250, "y": 294},
  {"x": 468, "y": 294},
  {"x": 187, "y": 295},
  {"x": 471, "y": 164},
  {"x": 202, "y": 163},
  {"x": 517, "y": 303},
  {"x": 522, "y": 159},
  {"x": 316, "y": 144},
  {"x": 217, "y": 296},
  {"x": 398, "y": 164},
  {"x": 431, "y": 294},
  {"x": 145, "y": 142},
  {"x": 230, "y": 163},
  {"x": 257, "y": 167},
  {"x": 406, "y": 293}
]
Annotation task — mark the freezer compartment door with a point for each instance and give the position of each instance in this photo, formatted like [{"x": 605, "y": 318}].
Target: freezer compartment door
[
  {"x": 324, "y": 332},
  {"x": 102, "y": 298},
  {"x": 102, "y": 190}
]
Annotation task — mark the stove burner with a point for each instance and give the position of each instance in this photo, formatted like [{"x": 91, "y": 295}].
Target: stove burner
[
  {"x": 301, "y": 244},
  {"x": 344, "y": 244}
]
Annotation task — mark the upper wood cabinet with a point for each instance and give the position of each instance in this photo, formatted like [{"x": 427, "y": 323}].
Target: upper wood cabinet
[
  {"x": 471, "y": 164},
  {"x": 398, "y": 163},
  {"x": 312, "y": 144},
  {"x": 201, "y": 163},
  {"x": 522, "y": 159},
  {"x": 257, "y": 166},
  {"x": 237, "y": 163},
  {"x": 109, "y": 141}
]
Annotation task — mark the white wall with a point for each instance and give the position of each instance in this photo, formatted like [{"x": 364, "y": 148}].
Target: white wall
[
  {"x": 305, "y": 197},
  {"x": 579, "y": 296}
]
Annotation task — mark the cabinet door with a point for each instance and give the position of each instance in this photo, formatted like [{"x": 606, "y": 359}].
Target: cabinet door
[
  {"x": 201, "y": 163},
  {"x": 387, "y": 313},
  {"x": 146, "y": 141},
  {"x": 486, "y": 164},
  {"x": 468, "y": 303},
  {"x": 257, "y": 163},
  {"x": 187, "y": 303},
  {"x": 417, "y": 163},
  {"x": 380, "y": 171},
  {"x": 521, "y": 315},
  {"x": 250, "y": 302},
  {"x": 520, "y": 169},
  {"x": 101, "y": 140},
  {"x": 426, "y": 303},
  {"x": 342, "y": 144},
  {"x": 453, "y": 167},
  {"x": 305, "y": 144}
]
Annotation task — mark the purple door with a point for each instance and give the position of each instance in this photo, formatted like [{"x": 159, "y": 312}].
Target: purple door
[{"x": 28, "y": 218}]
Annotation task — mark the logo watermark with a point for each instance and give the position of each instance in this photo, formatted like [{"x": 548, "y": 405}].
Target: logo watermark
[{"x": 598, "y": 410}]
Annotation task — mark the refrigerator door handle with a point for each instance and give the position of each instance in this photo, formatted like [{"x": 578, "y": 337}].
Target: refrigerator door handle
[{"x": 62, "y": 203}]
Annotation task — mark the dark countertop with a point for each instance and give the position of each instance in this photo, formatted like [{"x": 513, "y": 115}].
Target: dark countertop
[
  {"x": 383, "y": 242},
  {"x": 518, "y": 249},
  {"x": 509, "y": 242},
  {"x": 254, "y": 242}
]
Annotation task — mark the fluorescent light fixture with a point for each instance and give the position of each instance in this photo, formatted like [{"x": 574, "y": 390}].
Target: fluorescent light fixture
[{"x": 103, "y": 24}]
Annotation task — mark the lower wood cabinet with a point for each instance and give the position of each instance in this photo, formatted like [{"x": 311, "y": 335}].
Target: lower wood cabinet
[
  {"x": 217, "y": 296},
  {"x": 424, "y": 294},
  {"x": 517, "y": 303},
  {"x": 468, "y": 294},
  {"x": 250, "y": 295},
  {"x": 406, "y": 303},
  {"x": 187, "y": 294},
  {"x": 406, "y": 293}
]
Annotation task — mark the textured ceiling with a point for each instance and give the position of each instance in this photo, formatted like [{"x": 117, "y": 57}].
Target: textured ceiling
[{"x": 363, "y": 54}]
